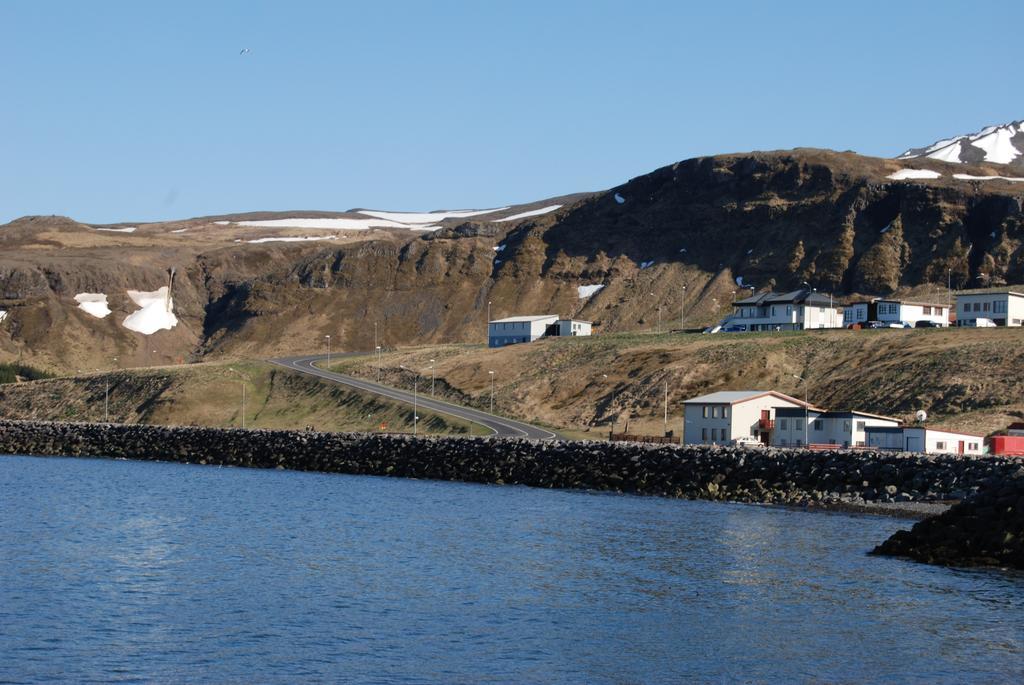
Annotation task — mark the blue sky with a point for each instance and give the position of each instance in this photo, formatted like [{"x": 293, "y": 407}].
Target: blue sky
[{"x": 139, "y": 111}]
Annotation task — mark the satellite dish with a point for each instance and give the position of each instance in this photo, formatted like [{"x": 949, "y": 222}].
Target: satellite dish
[{"x": 921, "y": 415}]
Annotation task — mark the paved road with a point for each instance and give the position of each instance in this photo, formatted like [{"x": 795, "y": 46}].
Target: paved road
[{"x": 506, "y": 428}]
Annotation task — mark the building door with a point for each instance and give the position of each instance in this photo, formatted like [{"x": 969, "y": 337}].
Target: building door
[{"x": 960, "y": 447}]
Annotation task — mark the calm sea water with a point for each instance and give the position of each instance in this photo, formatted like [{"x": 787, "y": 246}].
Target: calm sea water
[{"x": 132, "y": 572}]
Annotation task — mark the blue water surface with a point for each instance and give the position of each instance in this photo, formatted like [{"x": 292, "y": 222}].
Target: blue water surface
[{"x": 149, "y": 572}]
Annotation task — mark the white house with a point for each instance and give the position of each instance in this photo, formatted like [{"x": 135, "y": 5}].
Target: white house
[
  {"x": 843, "y": 429},
  {"x": 922, "y": 439},
  {"x": 518, "y": 329},
  {"x": 1003, "y": 306},
  {"x": 895, "y": 311},
  {"x": 722, "y": 417},
  {"x": 569, "y": 327},
  {"x": 793, "y": 311}
]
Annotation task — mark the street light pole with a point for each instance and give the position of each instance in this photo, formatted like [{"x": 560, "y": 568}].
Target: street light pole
[
  {"x": 431, "y": 377},
  {"x": 378, "y": 363},
  {"x": 666, "y": 407},
  {"x": 242, "y": 381},
  {"x": 487, "y": 339},
  {"x": 415, "y": 396},
  {"x": 492, "y": 390},
  {"x": 682, "y": 311},
  {"x": 328, "y": 352},
  {"x": 804, "y": 381}
]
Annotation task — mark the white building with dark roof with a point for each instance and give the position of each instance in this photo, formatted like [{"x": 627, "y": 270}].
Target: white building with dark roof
[
  {"x": 895, "y": 311},
  {"x": 518, "y": 329},
  {"x": 843, "y": 429},
  {"x": 734, "y": 415},
  {"x": 928, "y": 440},
  {"x": 792, "y": 311}
]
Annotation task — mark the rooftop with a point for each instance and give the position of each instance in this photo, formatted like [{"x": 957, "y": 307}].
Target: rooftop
[
  {"x": 524, "y": 319},
  {"x": 803, "y": 296},
  {"x": 1011, "y": 289},
  {"x": 738, "y": 396}
]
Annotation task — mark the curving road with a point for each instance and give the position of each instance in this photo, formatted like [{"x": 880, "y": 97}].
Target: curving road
[{"x": 500, "y": 426}]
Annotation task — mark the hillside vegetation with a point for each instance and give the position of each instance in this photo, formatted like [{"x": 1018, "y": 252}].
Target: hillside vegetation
[
  {"x": 211, "y": 395},
  {"x": 666, "y": 244},
  {"x": 967, "y": 379}
]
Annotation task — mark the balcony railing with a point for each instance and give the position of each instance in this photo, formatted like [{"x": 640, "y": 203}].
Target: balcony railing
[{"x": 766, "y": 424}]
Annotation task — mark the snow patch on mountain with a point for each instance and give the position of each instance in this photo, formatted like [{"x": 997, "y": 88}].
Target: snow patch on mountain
[
  {"x": 585, "y": 291},
  {"x": 904, "y": 174},
  {"x": 126, "y": 229},
  {"x": 427, "y": 217},
  {"x": 968, "y": 177},
  {"x": 94, "y": 304},
  {"x": 328, "y": 224},
  {"x": 532, "y": 212},
  {"x": 155, "y": 313},
  {"x": 292, "y": 239}
]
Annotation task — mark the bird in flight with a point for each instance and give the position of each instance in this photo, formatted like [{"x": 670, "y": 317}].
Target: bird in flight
[{"x": 243, "y": 51}]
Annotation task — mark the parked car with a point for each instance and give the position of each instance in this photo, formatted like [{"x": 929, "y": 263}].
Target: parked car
[
  {"x": 977, "y": 323},
  {"x": 927, "y": 323},
  {"x": 712, "y": 329},
  {"x": 875, "y": 324},
  {"x": 745, "y": 441},
  {"x": 735, "y": 328}
]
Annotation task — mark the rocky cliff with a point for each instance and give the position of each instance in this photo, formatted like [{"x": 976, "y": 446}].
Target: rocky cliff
[{"x": 711, "y": 225}]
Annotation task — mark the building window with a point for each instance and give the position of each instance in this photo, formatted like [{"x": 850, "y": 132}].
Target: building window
[
  {"x": 704, "y": 410},
  {"x": 714, "y": 412},
  {"x": 940, "y": 445},
  {"x": 926, "y": 310},
  {"x": 846, "y": 426},
  {"x": 725, "y": 412},
  {"x": 782, "y": 424},
  {"x": 939, "y": 310},
  {"x": 714, "y": 434},
  {"x": 797, "y": 424},
  {"x": 817, "y": 424},
  {"x": 861, "y": 425},
  {"x": 977, "y": 306},
  {"x": 985, "y": 307},
  {"x": 999, "y": 307}
]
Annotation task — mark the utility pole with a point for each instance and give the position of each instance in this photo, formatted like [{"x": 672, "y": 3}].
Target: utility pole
[
  {"x": 378, "y": 363},
  {"x": 666, "y": 407},
  {"x": 328, "y": 352},
  {"x": 682, "y": 311},
  {"x": 242, "y": 381},
  {"x": 804, "y": 381},
  {"x": 431, "y": 377},
  {"x": 492, "y": 391},
  {"x": 949, "y": 294},
  {"x": 488, "y": 338}
]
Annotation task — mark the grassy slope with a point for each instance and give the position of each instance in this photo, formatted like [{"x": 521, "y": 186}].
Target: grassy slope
[
  {"x": 968, "y": 379},
  {"x": 210, "y": 395}
]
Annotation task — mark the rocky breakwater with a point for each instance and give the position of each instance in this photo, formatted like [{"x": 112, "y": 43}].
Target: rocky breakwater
[
  {"x": 984, "y": 530},
  {"x": 776, "y": 476}
]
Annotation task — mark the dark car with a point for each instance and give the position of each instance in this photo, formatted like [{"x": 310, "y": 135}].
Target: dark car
[{"x": 925, "y": 323}]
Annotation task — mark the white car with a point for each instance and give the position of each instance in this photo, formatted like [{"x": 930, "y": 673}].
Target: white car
[
  {"x": 745, "y": 441},
  {"x": 978, "y": 323}
]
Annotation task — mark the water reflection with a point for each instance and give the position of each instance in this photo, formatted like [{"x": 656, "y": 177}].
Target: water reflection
[{"x": 117, "y": 570}]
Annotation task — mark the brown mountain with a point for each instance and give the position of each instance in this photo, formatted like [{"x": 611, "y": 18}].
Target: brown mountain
[{"x": 773, "y": 219}]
